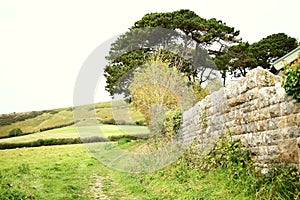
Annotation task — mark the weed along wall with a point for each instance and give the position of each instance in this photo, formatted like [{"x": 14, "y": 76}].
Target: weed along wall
[{"x": 254, "y": 109}]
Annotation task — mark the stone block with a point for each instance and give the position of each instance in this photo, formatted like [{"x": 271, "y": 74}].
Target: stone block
[
  {"x": 281, "y": 122},
  {"x": 261, "y": 125},
  {"x": 231, "y": 90},
  {"x": 296, "y": 107},
  {"x": 250, "y": 127},
  {"x": 238, "y": 118},
  {"x": 264, "y": 114},
  {"x": 268, "y": 150},
  {"x": 274, "y": 110},
  {"x": 272, "y": 124},
  {"x": 298, "y": 119},
  {"x": 252, "y": 116},
  {"x": 288, "y": 150},
  {"x": 267, "y": 96},
  {"x": 275, "y": 136},
  {"x": 252, "y": 94},
  {"x": 293, "y": 132},
  {"x": 229, "y": 124},
  {"x": 280, "y": 93},
  {"x": 235, "y": 101},
  {"x": 292, "y": 120},
  {"x": 286, "y": 108}
]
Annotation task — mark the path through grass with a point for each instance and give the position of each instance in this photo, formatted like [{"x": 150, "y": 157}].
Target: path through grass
[{"x": 70, "y": 172}]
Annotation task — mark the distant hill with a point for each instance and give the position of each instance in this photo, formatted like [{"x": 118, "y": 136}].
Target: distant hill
[{"x": 35, "y": 121}]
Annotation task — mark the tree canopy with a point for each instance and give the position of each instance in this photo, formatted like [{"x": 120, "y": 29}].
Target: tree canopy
[
  {"x": 241, "y": 58},
  {"x": 187, "y": 40},
  {"x": 197, "y": 46}
]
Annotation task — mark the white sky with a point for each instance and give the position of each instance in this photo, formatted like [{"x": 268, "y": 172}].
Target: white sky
[{"x": 44, "y": 43}]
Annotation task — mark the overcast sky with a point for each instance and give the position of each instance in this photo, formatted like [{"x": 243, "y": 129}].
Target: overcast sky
[{"x": 43, "y": 44}]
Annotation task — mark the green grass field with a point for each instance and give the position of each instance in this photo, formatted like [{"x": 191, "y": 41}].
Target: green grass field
[
  {"x": 70, "y": 172},
  {"x": 50, "y": 118},
  {"x": 57, "y": 172},
  {"x": 71, "y": 132}
]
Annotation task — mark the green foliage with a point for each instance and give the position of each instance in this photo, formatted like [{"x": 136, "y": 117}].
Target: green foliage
[
  {"x": 141, "y": 122},
  {"x": 227, "y": 154},
  {"x": 24, "y": 169},
  {"x": 51, "y": 142},
  {"x": 231, "y": 158},
  {"x": 58, "y": 126},
  {"x": 7, "y": 119},
  {"x": 131, "y": 137},
  {"x": 157, "y": 87},
  {"x": 172, "y": 122},
  {"x": 271, "y": 48},
  {"x": 8, "y": 190},
  {"x": 280, "y": 182},
  {"x": 241, "y": 58},
  {"x": 9, "y": 193},
  {"x": 199, "y": 91},
  {"x": 267, "y": 79},
  {"x": 15, "y": 132},
  {"x": 111, "y": 121},
  {"x": 135, "y": 47},
  {"x": 124, "y": 141},
  {"x": 165, "y": 128},
  {"x": 203, "y": 31},
  {"x": 56, "y": 172},
  {"x": 237, "y": 60},
  {"x": 291, "y": 81}
]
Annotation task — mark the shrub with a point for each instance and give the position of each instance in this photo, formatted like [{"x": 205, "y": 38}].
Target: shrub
[
  {"x": 93, "y": 139},
  {"x": 124, "y": 140},
  {"x": 291, "y": 81},
  {"x": 199, "y": 91},
  {"x": 157, "y": 85},
  {"x": 132, "y": 137},
  {"x": 7, "y": 119},
  {"x": 232, "y": 159},
  {"x": 59, "y": 126},
  {"x": 123, "y": 122},
  {"x": 111, "y": 121},
  {"x": 13, "y": 135},
  {"x": 228, "y": 154},
  {"x": 172, "y": 122},
  {"x": 141, "y": 123},
  {"x": 15, "y": 132},
  {"x": 51, "y": 141}
]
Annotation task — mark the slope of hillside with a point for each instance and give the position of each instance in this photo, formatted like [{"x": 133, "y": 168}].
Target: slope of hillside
[
  {"x": 35, "y": 121},
  {"x": 71, "y": 132}
]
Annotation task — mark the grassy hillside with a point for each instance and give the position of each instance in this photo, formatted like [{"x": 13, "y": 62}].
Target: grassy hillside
[
  {"x": 69, "y": 172},
  {"x": 36, "y": 120},
  {"x": 71, "y": 132}
]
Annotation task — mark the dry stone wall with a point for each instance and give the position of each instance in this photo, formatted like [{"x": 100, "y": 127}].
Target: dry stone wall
[{"x": 254, "y": 109}]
